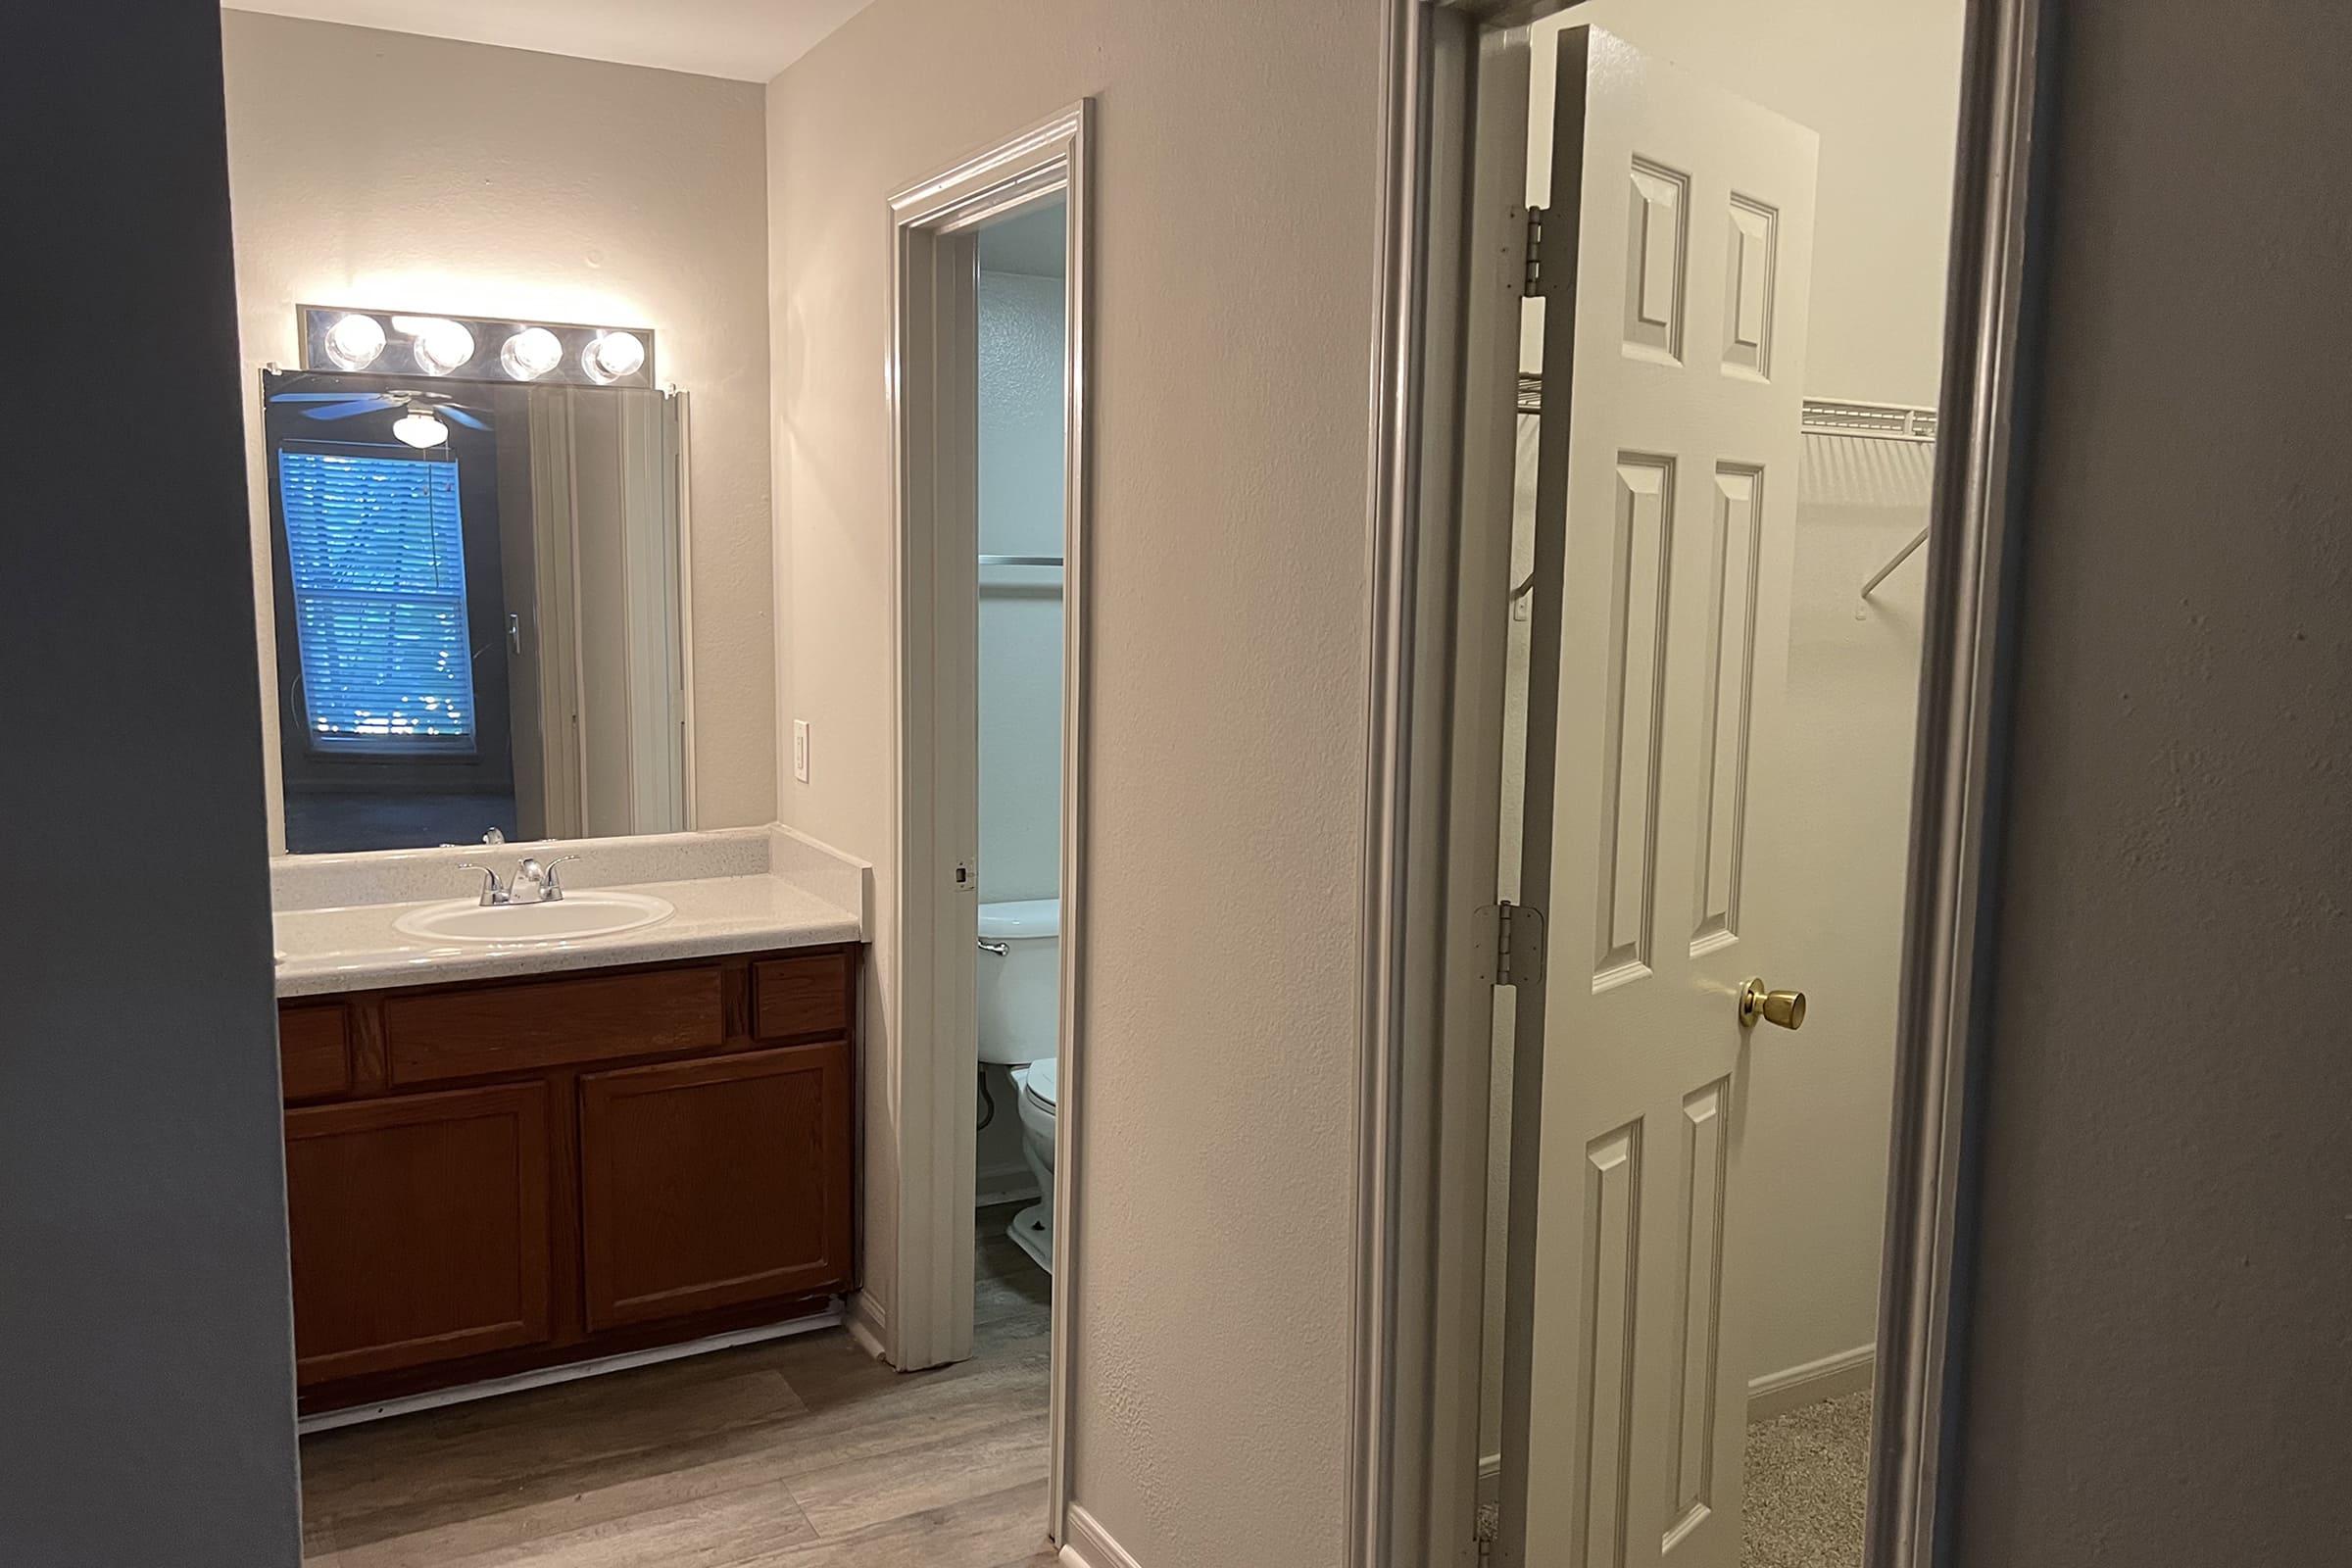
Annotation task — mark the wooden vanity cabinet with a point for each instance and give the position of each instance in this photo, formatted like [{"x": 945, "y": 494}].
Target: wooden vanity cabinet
[
  {"x": 709, "y": 1183},
  {"x": 491, "y": 1178},
  {"x": 420, "y": 1229}
]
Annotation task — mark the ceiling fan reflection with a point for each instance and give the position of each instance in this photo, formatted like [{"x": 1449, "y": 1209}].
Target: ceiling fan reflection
[
  {"x": 420, "y": 423},
  {"x": 348, "y": 405}
]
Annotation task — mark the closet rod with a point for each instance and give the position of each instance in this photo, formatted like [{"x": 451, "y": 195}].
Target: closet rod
[{"x": 1901, "y": 555}]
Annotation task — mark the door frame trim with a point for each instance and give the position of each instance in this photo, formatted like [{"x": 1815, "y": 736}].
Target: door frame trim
[
  {"x": 930, "y": 1320},
  {"x": 1406, "y": 1504},
  {"x": 1991, "y": 370}
]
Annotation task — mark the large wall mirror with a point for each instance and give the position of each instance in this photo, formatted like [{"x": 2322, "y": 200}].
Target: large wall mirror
[{"x": 479, "y": 611}]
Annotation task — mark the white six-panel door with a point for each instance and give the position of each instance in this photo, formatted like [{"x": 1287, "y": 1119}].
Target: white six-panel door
[{"x": 1677, "y": 254}]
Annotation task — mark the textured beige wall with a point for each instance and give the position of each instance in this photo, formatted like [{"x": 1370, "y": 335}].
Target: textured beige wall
[
  {"x": 373, "y": 168},
  {"x": 2159, "y": 1371},
  {"x": 1234, "y": 315}
]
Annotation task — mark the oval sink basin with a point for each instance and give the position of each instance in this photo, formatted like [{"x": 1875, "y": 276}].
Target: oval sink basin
[{"x": 571, "y": 918}]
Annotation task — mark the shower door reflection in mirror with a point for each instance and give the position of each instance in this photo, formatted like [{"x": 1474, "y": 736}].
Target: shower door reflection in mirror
[{"x": 478, "y": 611}]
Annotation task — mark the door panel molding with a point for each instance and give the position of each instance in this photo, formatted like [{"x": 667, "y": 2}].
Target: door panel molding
[
  {"x": 1657, "y": 261},
  {"x": 1696, "y": 1409},
  {"x": 1633, "y": 751},
  {"x": 1753, "y": 254},
  {"x": 1604, "y": 1483},
  {"x": 1736, "y": 543}
]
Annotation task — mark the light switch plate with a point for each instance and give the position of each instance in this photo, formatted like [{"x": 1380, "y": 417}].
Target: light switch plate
[{"x": 800, "y": 749}]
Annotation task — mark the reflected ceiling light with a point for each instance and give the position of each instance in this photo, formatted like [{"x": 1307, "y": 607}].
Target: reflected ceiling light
[
  {"x": 354, "y": 342},
  {"x": 531, "y": 353},
  {"x": 611, "y": 356},
  {"x": 441, "y": 344},
  {"x": 420, "y": 429}
]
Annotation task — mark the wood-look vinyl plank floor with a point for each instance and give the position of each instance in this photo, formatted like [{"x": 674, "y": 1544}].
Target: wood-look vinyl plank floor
[{"x": 799, "y": 1453}]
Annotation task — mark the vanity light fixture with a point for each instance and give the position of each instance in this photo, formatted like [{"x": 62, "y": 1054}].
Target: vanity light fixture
[
  {"x": 612, "y": 357},
  {"x": 474, "y": 348},
  {"x": 420, "y": 429},
  {"x": 354, "y": 341},
  {"x": 440, "y": 344},
  {"x": 531, "y": 353}
]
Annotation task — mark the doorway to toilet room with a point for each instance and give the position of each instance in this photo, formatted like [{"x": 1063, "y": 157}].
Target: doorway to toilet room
[
  {"x": 1019, "y": 336},
  {"x": 989, "y": 350}
]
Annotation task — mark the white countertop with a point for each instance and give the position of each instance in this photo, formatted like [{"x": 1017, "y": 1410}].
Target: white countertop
[{"x": 354, "y": 947}]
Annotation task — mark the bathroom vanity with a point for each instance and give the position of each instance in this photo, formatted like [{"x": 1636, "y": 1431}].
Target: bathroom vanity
[
  {"x": 565, "y": 1080},
  {"x": 569, "y": 1156}
]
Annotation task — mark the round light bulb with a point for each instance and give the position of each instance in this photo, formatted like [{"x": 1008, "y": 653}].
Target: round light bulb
[
  {"x": 611, "y": 356},
  {"x": 531, "y": 353},
  {"x": 442, "y": 346},
  {"x": 354, "y": 341},
  {"x": 421, "y": 431}
]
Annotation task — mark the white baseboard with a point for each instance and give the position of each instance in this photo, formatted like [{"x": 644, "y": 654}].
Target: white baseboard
[
  {"x": 1774, "y": 1393},
  {"x": 1090, "y": 1545},
  {"x": 868, "y": 1324},
  {"x": 1000, "y": 1187},
  {"x": 1792, "y": 1388},
  {"x": 571, "y": 1372}
]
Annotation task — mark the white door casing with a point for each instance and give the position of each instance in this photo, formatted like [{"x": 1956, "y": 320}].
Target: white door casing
[
  {"x": 928, "y": 1035},
  {"x": 1678, "y": 253}
]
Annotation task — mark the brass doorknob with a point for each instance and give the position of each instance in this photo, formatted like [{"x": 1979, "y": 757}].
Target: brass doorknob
[{"x": 1785, "y": 1008}]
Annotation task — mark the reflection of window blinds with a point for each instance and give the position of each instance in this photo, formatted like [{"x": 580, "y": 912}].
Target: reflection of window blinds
[{"x": 378, "y": 577}]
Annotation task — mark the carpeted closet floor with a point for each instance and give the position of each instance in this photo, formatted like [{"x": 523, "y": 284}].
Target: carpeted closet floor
[
  {"x": 1806, "y": 1472},
  {"x": 1806, "y": 1475}
]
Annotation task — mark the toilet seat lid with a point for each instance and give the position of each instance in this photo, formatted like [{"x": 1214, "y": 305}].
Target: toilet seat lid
[{"x": 1043, "y": 1082}]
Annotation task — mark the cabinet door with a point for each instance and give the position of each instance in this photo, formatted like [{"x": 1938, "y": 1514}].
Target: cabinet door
[
  {"x": 715, "y": 1183},
  {"x": 420, "y": 1229}
]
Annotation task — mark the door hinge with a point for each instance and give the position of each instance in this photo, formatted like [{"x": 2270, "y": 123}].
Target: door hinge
[
  {"x": 1518, "y": 944},
  {"x": 1534, "y": 251}
]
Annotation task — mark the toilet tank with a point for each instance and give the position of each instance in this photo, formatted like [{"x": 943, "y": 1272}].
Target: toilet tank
[{"x": 1020, "y": 989}]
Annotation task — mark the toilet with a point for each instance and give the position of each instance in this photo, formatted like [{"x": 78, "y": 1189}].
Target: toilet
[{"x": 1019, "y": 992}]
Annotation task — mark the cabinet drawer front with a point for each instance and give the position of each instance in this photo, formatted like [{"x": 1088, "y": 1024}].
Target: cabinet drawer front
[
  {"x": 520, "y": 1028},
  {"x": 709, "y": 1183},
  {"x": 420, "y": 1229},
  {"x": 799, "y": 998},
  {"x": 313, "y": 1051}
]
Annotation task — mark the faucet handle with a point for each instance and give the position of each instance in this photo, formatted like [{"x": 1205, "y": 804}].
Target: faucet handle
[
  {"x": 493, "y": 891},
  {"x": 543, "y": 875},
  {"x": 554, "y": 889}
]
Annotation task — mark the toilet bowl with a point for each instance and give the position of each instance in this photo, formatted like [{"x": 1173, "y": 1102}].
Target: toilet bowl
[
  {"x": 1018, "y": 992},
  {"x": 1033, "y": 1227}
]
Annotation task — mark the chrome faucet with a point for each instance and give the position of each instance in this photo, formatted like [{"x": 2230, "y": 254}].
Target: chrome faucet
[
  {"x": 494, "y": 892},
  {"x": 537, "y": 877},
  {"x": 543, "y": 877}
]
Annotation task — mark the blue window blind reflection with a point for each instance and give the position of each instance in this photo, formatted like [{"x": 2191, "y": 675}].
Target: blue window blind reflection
[{"x": 377, "y": 553}]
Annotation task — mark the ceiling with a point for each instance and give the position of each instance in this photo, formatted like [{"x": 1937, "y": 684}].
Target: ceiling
[{"x": 749, "y": 40}]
